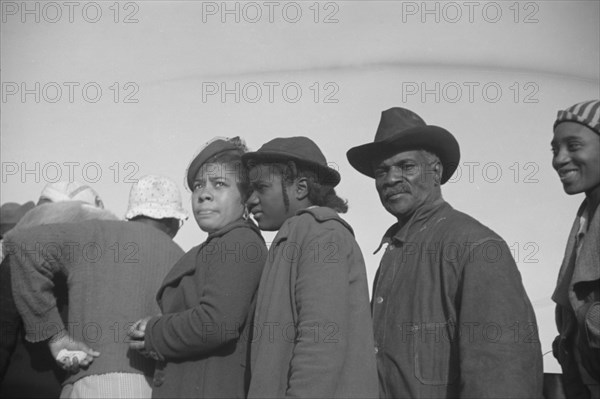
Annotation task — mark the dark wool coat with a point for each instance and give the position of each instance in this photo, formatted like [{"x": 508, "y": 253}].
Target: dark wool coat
[
  {"x": 577, "y": 292},
  {"x": 200, "y": 339},
  {"x": 452, "y": 318},
  {"x": 313, "y": 336}
]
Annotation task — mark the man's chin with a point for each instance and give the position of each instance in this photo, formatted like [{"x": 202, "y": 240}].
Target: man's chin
[{"x": 399, "y": 211}]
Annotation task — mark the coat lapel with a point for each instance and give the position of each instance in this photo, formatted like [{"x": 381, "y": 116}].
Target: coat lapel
[{"x": 586, "y": 266}]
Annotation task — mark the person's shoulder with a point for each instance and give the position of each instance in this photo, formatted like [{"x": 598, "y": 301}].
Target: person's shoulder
[
  {"x": 114, "y": 227},
  {"x": 70, "y": 217},
  {"x": 320, "y": 219},
  {"x": 71, "y": 228},
  {"x": 457, "y": 223},
  {"x": 139, "y": 231},
  {"x": 63, "y": 212},
  {"x": 128, "y": 233},
  {"x": 242, "y": 231}
]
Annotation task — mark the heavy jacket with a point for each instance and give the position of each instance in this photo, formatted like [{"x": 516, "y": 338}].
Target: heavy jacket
[
  {"x": 451, "y": 315},
  {"x": 21, "y": 361},
  {"x": 113, "y": 270},
  {"x": 313, "y": 335},
  {"x": 577, "y": 290},
  {"x": 200, "y": 340}
]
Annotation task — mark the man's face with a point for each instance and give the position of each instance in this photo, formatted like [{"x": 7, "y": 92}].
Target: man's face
[
  {"x": 576, "y": 157},
  {"x": 405, "y": 181},
  {"x": 266, "y": 202}
]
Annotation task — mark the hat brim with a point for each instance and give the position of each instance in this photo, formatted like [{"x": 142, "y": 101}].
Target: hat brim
[
  {"x": 156, "y": 213},
  {"x": 432, "y": 138},
  {"x": 325, "y": 174}
]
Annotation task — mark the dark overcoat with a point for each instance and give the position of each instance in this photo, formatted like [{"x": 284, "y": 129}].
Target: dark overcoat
[{"x": 201, "y": 340}]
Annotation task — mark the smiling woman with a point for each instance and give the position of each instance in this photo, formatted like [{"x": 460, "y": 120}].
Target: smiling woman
[{"x": 576, "y": 150}]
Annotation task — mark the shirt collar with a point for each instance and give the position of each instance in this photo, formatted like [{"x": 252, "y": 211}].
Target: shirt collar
[
  {"x": 397, "y": 233},
  {"x": 234, "y": 225}
]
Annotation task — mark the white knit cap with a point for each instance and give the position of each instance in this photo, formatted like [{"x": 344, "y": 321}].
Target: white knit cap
[
  {"x": 70, "y": 191},
  {"x": 155, "y": 197}
]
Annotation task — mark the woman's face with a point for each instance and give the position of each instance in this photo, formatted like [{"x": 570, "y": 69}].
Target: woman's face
[
  {"x": 266, "y": 201},
  {"x": 216, "y": 199},
  {"x": 576, "y": 157}
]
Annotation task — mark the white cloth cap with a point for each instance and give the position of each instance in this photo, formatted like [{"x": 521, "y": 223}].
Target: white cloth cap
[
  {"x": 155, "y": 197},
  {"x": 70, "y": 191}
]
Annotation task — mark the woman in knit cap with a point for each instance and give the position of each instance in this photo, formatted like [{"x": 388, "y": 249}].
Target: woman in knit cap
[
  {"x": 576, "y": 158},
  {"x": 199, "y": 341}
]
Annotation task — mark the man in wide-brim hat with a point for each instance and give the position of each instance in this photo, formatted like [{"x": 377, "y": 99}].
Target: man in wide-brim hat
[{"x": 451, "y": 316}]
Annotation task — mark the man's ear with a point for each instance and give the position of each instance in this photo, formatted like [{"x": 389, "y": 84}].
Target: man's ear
[
  {"x": 301, "y": 188},
  {"x": 438, "y": 169}
]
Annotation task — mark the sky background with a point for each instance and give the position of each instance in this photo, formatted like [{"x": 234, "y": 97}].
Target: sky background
[{"x": 105, "y": 92}]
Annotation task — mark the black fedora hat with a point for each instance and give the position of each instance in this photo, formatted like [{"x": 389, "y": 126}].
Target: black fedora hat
[
  {"x": 402, "y": 130},
  {"x": 301, "y": 150}
]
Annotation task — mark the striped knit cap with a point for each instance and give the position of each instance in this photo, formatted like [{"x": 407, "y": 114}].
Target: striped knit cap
[{"x": 586, "y": 113}]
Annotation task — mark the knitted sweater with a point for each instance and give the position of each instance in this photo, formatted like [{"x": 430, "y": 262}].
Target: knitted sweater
[{"x": 113, "y": 271}]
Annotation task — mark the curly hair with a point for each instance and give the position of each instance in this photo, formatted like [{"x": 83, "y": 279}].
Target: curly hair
[{"x": 318, "y": 193}]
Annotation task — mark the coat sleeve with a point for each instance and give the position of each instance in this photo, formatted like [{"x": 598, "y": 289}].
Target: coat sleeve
[
  {"x": 10, "y": 321},
  {"x": 500, "y": 353},
  {"x": 321, "y": 298},
  {"x": 231, "y": 279},
  {"x": 37, "y": 255},
  {"x": 588, "y": 314},
  {"x": 587, "y": 341}
]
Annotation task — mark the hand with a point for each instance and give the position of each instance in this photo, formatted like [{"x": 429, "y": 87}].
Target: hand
[
  {"x": 62, "y": 340},
  {"x": 137, "y": 334}
]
